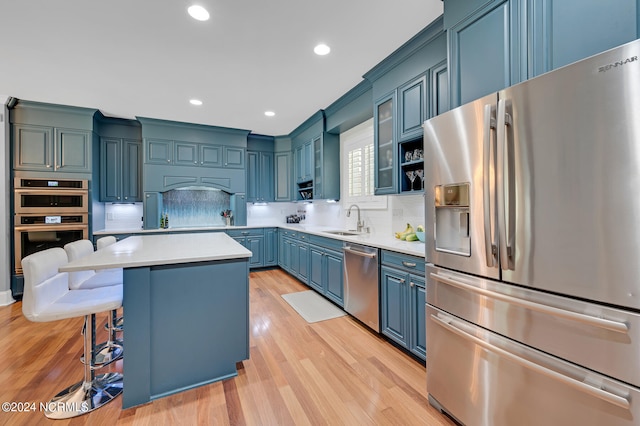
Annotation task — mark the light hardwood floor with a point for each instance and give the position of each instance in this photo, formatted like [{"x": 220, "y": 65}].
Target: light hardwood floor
[{"x": 334, "y": 372}]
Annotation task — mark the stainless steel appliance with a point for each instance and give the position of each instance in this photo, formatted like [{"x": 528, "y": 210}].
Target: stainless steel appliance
[
  {"x": 49, "y": 195},
  {"x": 48, "y": 213},
  {"x": 533, "y": 281},
  {"x": 361, "y": 287}
]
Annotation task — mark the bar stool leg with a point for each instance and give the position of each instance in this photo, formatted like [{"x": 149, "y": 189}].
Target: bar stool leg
[
  {"x": 91, "y": 393},
  {"x": 107, "y": 352}
]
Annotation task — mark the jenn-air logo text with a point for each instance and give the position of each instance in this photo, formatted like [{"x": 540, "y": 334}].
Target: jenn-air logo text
[{"x": 617, "y": 64}]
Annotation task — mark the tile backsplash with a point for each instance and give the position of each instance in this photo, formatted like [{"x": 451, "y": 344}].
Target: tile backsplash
[
  {"x": 202, "y": 208},
  {"x": 195, "y": 207}
]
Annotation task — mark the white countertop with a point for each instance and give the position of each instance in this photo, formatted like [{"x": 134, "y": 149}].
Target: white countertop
[
  {"x": 414, "y": 248},
  {"x": 385, "y": 242},
  {"x": 164, "y": 249}
]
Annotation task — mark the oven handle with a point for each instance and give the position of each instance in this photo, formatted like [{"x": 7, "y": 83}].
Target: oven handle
[
  {"x": 44, "y": 228},
  {"x": 611, "y": 398}
]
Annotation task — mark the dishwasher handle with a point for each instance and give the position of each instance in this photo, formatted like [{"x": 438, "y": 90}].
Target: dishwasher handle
[{"x": 349, "y": 249}]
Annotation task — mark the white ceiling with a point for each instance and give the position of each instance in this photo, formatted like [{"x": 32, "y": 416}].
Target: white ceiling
[{"x": 147, "y": 58}]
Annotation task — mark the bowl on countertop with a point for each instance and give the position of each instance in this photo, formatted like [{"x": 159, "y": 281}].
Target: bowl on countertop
[{"x": 420, "y": 236}]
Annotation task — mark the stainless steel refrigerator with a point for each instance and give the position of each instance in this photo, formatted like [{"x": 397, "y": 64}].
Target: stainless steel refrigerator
[{"x": 533, "y": 274}]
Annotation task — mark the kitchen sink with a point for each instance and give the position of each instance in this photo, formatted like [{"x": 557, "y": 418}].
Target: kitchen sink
[{"x": 345, "y": 233}]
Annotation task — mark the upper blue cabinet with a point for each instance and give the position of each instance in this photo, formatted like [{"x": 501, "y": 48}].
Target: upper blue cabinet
[
  {"x": 409, "y": 86},
  {"x": 493, "y": 44},
  {"x": 52, "y": 138},
  {"x": 178, "y": 155},
  {"x": 484, "y": 47},
  {"x": 569, "y": 30}
]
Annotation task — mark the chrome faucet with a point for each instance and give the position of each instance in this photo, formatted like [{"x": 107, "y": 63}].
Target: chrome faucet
[{"x": 360, "y": 224}]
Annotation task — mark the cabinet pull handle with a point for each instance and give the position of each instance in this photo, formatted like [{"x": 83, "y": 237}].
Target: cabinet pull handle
[
  {"x": 409, "y": 264},
  {"x": 245, "y": 232}
]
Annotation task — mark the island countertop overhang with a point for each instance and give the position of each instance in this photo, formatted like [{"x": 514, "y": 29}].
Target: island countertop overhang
[{"x": 165, "y": 249}]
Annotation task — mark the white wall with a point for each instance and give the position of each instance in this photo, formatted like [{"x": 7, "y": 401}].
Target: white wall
[{"x": 5, "y": 224}]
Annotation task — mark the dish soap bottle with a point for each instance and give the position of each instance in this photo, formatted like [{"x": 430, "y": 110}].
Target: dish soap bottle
[
  {"x": 166, "y": 220},
  {"x": 162, "y": 221}
]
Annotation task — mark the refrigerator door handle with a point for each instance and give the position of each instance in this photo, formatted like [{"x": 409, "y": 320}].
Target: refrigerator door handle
[
  {"x": 488, "y": 189},
  {"x": 505, "y": 188},
  {"x": 619, "y": 327},
  {"x": 450, "y": 324}
]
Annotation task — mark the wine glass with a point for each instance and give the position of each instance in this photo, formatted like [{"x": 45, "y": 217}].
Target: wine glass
[
  {"x": 412, "y": 177},
  {"x": 420, "y": 174}
]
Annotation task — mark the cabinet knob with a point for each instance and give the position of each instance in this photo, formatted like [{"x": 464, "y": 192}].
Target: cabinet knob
[
  {"x": 168, "y": 161},
  {"x": 118, "y": 198},
  {"x": 126, "y": 198},
  {"x": 202, "y": 162},
  {"x": 411, "y": 284},
  {"x": 225, "y": 164},
  {"x": 195, "y": 162},
  {"x": 402, "y": 280},
  {"x": 49, "y": 166}
]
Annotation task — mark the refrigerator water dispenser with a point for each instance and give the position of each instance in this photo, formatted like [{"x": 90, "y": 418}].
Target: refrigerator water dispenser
[{"x": 452, "y": 219}]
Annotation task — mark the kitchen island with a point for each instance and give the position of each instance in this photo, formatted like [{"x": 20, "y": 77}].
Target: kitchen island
[{"x": 186, "y": 302}]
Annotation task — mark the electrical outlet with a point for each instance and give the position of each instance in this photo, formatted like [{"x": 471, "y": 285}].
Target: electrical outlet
[
  {"x": 397, "y": 213},
  {"x": 109, "y": 216}
]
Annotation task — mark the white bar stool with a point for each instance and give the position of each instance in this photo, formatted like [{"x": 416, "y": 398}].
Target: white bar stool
[
  {"x": 111, "y": 350},
  {"x": 47, "y": 297}
]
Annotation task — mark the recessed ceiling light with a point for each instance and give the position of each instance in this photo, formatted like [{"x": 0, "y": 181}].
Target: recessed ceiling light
[
  {"x": 197, "y": 102},
  {"x": 322, "y": 49},
  {"x": 198, "y": 12},
  {"x": 269, "y": 113}
]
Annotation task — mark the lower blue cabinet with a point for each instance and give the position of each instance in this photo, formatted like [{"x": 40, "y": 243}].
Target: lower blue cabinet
[
  {"x": 325, "y": 273},
  {"x": 270, "y": 246},
  {"x": 402, "y": 302},
  {"x": 251, "y": 239}
]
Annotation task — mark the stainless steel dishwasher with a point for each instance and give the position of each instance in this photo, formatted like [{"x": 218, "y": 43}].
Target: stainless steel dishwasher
[{"x": 361, "y": 287}]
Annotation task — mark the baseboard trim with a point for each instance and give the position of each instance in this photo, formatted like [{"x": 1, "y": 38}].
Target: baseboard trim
[{"x": 5, "y": 298}]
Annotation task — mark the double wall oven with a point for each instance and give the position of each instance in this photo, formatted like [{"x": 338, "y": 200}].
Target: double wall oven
[{"x": 48, "y": 213}]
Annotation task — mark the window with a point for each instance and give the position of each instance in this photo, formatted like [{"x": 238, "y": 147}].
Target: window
[{"x": 358, "y": 167}]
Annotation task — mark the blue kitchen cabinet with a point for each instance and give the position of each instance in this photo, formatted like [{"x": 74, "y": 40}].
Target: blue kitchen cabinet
[
  {"x": 394, "y": 297},
  {"x": 210, "y": 155},
  {"x": 238, "y": 203},
  {"x": 158, "y": 151},
  {"x": 284, "y": 255},
  {"x": 570, "y": 30},
  {"x": 412, "y": 109},
  {"x": 270, "y": 246},
  {"x": 303, "y": 259},
  {"x": 326, "y": 268},
  {"x": 316, "y": 268},
  {"x": 51, "y": 149},
  {"x": 233, "y": 158},
  {"x": 282, "y": 178},
  {"x": 253, "y": 240},
  {"x": 303, "y": 161},
  {"x": 418, "y": 332},
  {"x": 402, "y": 301},
  {"x": 186, "y": 154},
  {"x": 334, "y": 276},
  {"x": 326, "y": 166},
  {"x": 439, "y": 83},
  {"x": 385, "y": 145},
  {"x": 486, "y": 48},
  {"x": 259, "y": 176},
  {"x": 120, "y": 170},
  {"x": 152, "y": 205}
]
